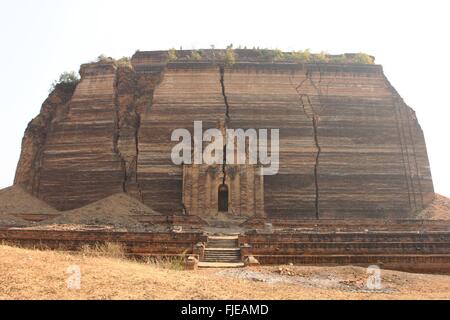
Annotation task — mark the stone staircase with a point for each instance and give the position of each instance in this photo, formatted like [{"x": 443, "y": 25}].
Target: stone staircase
[{"x": 222, "y": 252}]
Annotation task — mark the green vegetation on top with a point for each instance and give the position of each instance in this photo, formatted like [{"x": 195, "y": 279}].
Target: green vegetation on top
[
  {"x": 363, "y": 58},
  {"x": 229, "y": 56},
  {"x": 66, "y": 81},
  {"x": 196, "y": 55},
  {"x": 277, "y": 55},
  {"x": 124, "y": 62},
  {"x": 306, "y": 56},
  {"x": 172, "y": 55}
]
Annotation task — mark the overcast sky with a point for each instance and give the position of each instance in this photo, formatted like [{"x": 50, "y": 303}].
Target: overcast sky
[{"x": 42, "y": 38}]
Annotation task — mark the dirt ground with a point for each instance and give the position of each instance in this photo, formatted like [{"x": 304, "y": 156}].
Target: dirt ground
[{"x": 32, "y": 274}]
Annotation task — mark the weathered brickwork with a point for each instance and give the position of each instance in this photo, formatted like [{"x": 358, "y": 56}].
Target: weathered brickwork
[{"x": 349, "y": 146}]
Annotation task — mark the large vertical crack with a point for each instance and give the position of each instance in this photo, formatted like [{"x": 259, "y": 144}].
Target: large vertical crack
[
  {"x": 224, "y": 94},
  {"x": 116, "y": 136},
  {"x": 133, "y": 94},
  {"x": 310, "y": 113},
  {"x": 227, "y": 119}
]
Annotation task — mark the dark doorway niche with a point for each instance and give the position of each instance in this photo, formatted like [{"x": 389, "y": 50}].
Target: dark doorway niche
[{"x": 223, "y": 198}]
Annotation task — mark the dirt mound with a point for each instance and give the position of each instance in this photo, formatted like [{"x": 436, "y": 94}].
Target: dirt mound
[
  {"x": 116, "y": 211},
  {"x": 16, "y": 200},
  {"x": 439, "y": 209},
  {"x": 9, "y": 220}
]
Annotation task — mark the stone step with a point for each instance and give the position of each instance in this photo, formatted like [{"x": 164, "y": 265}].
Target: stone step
[
  {"x": 234, "y": 256},
  {"x": 222, "y": 253},
  {"x": 222, "y": 257},
  {"x": 222, "y": 260},
  {"x": 222, "y": 244},
  {"x": 222, "y": 249},
  {"x": 232, "y": 237},
  {"x": 221, "y": 265},
  {"x": 216, "y": 258}
]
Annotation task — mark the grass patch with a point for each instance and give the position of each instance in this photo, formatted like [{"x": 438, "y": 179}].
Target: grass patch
[
  {"x": 105, "y": 250},
  {"x": 170, "y": 263}
]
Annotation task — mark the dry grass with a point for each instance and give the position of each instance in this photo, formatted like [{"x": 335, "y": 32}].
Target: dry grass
[
  {"x": 169, "y": 263},
  {"x": 117, "y": 251},
  {"x": 40, "y": 274},
  {"x": 106, "y": 250}
]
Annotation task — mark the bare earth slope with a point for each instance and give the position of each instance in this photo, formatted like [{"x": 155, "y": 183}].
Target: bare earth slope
[
  {"x": 439, "y": 209},
  {"x": 116, "y": 211},
  {"x": 15, "y": 200},
  {"x": 28, "y": 274},
  {"x": 7, "y": 220}
]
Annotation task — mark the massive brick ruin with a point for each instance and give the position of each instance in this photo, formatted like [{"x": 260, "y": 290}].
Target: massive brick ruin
[{"x": 349, "y": 146}]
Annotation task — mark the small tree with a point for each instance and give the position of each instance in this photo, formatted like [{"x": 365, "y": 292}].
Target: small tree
[
  {"x": 363, "y": 58},
  {"x": 300, "y": 56},
  {"x": 172, "y": 55},
  {"x": 67, "y": 81},
  {"x": 196, "y": 55},
  {"x": 340, "y": 59},
  {"x": 320, "y": 57},
  {"x": 102, "y": 57},
  {"x": 278, "y": 55},
  {"x": 124, "y": 62},
  {"x": 229, "y": 57}
]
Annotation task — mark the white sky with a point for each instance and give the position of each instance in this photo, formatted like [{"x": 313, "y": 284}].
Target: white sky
[{"x": 42, "y": 38}]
